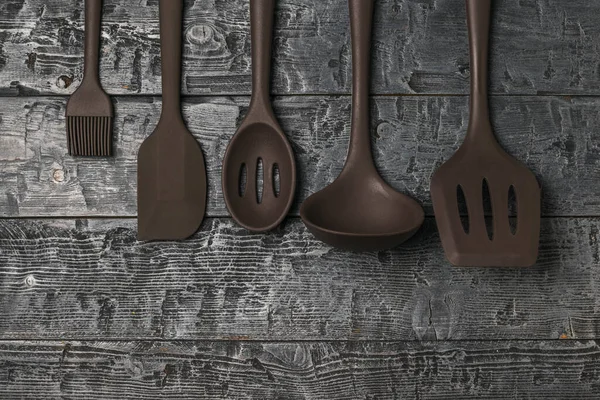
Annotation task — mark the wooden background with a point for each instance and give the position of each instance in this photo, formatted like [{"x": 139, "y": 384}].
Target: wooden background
[{"x": 86, "y": 311}]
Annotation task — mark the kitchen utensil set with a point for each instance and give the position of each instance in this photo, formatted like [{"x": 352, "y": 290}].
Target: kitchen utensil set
[{"x": 358, "y": 211}]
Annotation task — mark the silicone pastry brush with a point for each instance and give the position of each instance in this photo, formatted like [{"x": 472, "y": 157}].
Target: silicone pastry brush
[{"x": 89, "y": 110}]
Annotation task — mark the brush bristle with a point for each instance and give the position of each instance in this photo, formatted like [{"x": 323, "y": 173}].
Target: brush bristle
[{"x": 89, "y": 136}]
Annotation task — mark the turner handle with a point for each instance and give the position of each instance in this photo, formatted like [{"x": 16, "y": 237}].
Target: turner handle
[
  {"x": 93, "y": 13},
  {"x": 171, "y": 15},
  {"x": 361, "y": 25},
  {"x": 261, "y": 32},
  {"x": 478, "y": 21}
]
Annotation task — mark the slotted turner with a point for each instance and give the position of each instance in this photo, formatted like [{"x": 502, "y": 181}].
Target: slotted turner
[
  {"x": 480, "y": 158},
  {"x": 171, "y": 170}
]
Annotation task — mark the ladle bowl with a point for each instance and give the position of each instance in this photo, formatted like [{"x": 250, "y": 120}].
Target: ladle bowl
[{"x": 360, "y": 212}]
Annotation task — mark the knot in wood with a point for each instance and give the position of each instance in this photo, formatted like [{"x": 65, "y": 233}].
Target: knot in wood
[
  {"x": 30, "y": 281},
  {"x": 200, "y": 34},
  {"x": 384, "y": 129},
  {"x": 58, "y": 175}
]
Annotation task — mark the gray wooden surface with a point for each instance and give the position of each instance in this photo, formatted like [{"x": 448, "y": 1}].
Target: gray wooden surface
[
  {"x": 300, "y": 370},
  {"x": 87, "y": 311},
  {"x": 420, "y": 46}
]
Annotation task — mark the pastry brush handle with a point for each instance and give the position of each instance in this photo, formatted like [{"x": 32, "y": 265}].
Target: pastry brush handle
[{"x": 93, "y": 14}]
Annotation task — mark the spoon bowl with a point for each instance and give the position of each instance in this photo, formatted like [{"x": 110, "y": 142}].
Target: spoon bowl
[{"x": 259, "y": 176}]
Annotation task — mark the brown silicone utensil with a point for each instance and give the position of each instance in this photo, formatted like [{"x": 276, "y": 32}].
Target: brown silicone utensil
[
  {"x": 89, "y": 110},
  {"x": 479, "y": 159},
  {"x": 171, "y": 170},
  {"x": 359, "y": 211},
  {"x": 259, "y": 140}
]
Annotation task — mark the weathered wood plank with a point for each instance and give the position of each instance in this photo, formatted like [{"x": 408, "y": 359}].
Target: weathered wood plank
[
  {"x": 419, "y": 47},
  {"x": 299, "y": 370},
  {"x": 92, "y": 279},
  {"x": 554, "y": 136}
]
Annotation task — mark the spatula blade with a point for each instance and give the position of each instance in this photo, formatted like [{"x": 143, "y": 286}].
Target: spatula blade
[
  {"x": 172, "y": 186},
  {"x": 473, "y": 247}
]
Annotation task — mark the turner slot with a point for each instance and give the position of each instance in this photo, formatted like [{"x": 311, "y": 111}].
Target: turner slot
[
  {"x": 486, "y": 198},
  {"x": 513, "y": 209},
  {"x": 463, "y": 211}
]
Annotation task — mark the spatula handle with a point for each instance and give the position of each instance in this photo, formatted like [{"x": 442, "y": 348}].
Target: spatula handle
[
  {"x": 93, "y": 13},
  {"x": 478, "y": 21},
  {"x": 261, "y": 30},
  {"x": 171, "y": 15},
  {"x": 361, "y": 25}
]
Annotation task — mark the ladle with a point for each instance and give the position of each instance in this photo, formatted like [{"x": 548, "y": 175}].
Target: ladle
[{"x": 359, "y": 211}]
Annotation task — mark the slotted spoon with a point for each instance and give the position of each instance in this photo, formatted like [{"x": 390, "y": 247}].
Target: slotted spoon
[{"x": 259, "y": 140}]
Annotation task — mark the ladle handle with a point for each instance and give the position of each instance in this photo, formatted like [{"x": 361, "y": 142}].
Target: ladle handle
[
  {"x": 478, "y": 21},
  {"x": 171, "y": 15},
  {"x": 261, "y": 31},
  {"x": 93, "y": 13},
  {"x": 361, "y": 24}
]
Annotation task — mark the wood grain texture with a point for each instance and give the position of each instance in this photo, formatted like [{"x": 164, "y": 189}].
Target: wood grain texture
[
  {"x": 296, "y": 370},
  {"x": 555, "y": 136},
  {"x": 92, "y": 279},
  {"x": 538, "y": 46}
]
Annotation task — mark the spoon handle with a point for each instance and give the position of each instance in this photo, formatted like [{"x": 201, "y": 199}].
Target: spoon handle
[
  {"x": 261, "y": 26},
  {"x": 478, "y": 21},
  {"x": 171, "y": 14},
  {"x": 361, "y": 24}
]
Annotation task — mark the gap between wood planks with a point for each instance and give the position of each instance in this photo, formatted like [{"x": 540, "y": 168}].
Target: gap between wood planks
[
  {"x": 112, "y": 339},
  {"x": 3, "y": 94},
  {"x": 226, "y": 217}
]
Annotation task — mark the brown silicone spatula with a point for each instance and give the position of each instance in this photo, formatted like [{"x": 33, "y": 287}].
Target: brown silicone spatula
[
  {"x": 259, "y": 204},
  {"x": 478, "y": 163},
  {"x": 359, "y": 211},
  {"x": 171, "y": 171}
]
